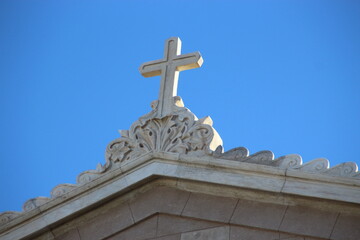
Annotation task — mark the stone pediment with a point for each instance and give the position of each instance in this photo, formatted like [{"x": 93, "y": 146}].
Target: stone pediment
[
  {"x": 171, "y": 142},
  {"x": 170, "y": 209},
  {"x": 287, "y": 193}
]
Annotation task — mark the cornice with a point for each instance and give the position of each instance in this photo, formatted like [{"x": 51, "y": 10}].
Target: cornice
[{"x": 202, "y": 170}]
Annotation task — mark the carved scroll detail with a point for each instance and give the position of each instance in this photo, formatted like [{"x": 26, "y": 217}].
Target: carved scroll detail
[
  {"x": 61, "y": 189},
  {"x": 293, "y": 162},
  {"x": 6, "y": 217},
  {"x": 34, "y": 203},
  {"x": 344, "y": 170},
  {"x": 180, "y": 132}
]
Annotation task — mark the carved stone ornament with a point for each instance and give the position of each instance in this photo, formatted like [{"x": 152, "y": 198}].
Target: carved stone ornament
[
  {"x": 172, "y": 128},
  {"x": 169, "y": 127},
  {"x": 292, "y": 162},
  {"x": 178, "y": 132}
]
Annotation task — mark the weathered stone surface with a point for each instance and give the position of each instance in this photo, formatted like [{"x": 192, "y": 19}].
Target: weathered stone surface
[
  {"x": 320, "y": 189},
  {"x": 285, "y": 236},
  {"x": 210, "y": 207},
  {"x": 258, "y": 214},
  {"x": 308, "y": 221},
  {"x": 45, "y": 236},
  {"x": 301, "y": 238},
  {"x": 161, "y": 199},
  {"x": 106, "y": 224},
  {"x": 242, "y": 233},
  {"x": 292, "y": 238},
  {"x": 168, "y": 225},
  {"x": 143, "y": 230},
  {"x": 159, "y": 189},
  {"x": 168, "y": 237},
  {"x": 70, "y": 235},
  {"x": 347, "y": 227},
  {"x": 218, "y": 233}
]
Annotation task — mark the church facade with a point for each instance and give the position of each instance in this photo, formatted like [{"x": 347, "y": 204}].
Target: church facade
[{"x": 168, "y": 178}]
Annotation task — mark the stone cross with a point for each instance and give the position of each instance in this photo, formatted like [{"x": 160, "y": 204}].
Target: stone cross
[{"x": 168, "y": 68}]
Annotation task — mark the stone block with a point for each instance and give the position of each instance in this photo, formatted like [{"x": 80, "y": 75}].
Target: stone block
[
  {"x": 168, "y": 237},
  {"x": 70, "y": 235},
  {"x": 237, "y": 233},
  {"x": 302, "y": 238},
  {"x": 210, "y": 207},
  {"x": 45, "y": 236},
  {"x": 346, "y": 227},
  {"x": 159, "y": 200},
  {"x": 107, "y": 223},
  {"x": 218, "y": 233},
  {"x": 169, "y": 225},
  {"x": 292, "y": 238},
  {"x": 285, "y": 236},
  {"x": 143, "y": 230},
  {"x": 308, "y": 221},
  {"x": 258, "y": 214}
]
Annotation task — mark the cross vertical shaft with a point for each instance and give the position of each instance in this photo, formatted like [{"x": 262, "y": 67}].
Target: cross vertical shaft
[{"x": 168, "y": 68}]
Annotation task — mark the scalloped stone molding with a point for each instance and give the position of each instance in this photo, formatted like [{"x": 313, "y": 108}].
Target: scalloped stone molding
[
  {"x": 172, "y": 128},
  {"x": 293, "y": 162}
]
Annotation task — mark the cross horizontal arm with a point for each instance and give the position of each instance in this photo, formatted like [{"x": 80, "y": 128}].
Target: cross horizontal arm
[
  {"x": 151, "y": 69},
  {"x": 182, "y": 62},
  {"x": 188, "y": 61}
]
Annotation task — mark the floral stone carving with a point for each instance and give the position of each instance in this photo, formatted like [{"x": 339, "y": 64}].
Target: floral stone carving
[{"x": 179, "y": 132}]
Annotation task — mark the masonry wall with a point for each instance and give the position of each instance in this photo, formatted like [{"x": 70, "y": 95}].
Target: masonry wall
[{"x": 167, "y": 211}]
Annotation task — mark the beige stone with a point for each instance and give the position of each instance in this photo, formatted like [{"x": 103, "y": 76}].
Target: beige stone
[
  {"x": 347, "y": 227},
  {"x": 218, "y": 233},
  {"x": 293, "y": 238},
  {"x": 242, "y": 233},
  {"x": 323, "y": 189},
  {"x": 308, "y": 221},
  {"x": 228, "y": 173},
  {"x": 258, "y": 214},
  {"x": 143, "y": 230},
  {"x": 169, "y": 225},
  {"x": 161, "y": 199},
  {"x": 168, "y": 237},
  {"x": 210, "y": 207},
  {"x": 47, "y": 236},
  {"x": 70, "y": 235},
  {"x": 285, "y": 236},
  {"x": 106, "y": 224}
]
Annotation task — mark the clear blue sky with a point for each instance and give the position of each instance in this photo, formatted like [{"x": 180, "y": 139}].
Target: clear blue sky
[{"x": 277, "y": 75}]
